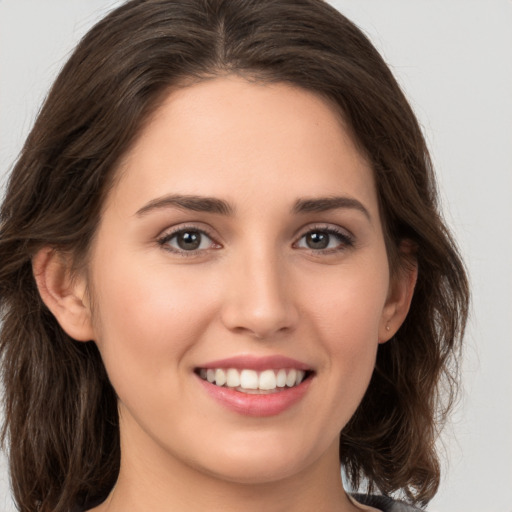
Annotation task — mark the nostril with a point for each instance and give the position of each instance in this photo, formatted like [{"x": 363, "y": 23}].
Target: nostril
[{"x": 259, "y": 323}]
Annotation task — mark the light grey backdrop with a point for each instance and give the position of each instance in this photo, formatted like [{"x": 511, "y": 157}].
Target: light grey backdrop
[{"x": 454, "y": 60}]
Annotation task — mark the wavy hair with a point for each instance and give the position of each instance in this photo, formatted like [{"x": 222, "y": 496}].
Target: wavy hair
[{"x": 61, "y": 425}]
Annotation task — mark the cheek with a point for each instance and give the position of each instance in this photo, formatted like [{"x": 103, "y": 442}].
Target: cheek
[
  {"x": 145, "y": 316},
  {"x": 350, "y": 303},
  {"x": 347, "y": 309}
]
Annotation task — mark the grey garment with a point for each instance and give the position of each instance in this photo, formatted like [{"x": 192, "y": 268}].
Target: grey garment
[{"x": 384, "y": 503}]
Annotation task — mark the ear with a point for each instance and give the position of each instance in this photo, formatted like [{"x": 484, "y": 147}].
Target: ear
[
  {"x": 63, "y": 293},
  {"x": 400, "y": 294}
]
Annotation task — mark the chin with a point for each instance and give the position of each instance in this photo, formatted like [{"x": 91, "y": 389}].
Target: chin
[
  {"x": 259, "y": 464},
  {"x": 245, "y": 473}
]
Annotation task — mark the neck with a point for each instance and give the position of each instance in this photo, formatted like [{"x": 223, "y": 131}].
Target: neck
[{"x": 155, "y": 481}]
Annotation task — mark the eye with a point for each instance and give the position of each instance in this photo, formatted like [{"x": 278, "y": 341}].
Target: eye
[
  {"x": 325, "y": 239},
  {"x": 187, "y": 240}
]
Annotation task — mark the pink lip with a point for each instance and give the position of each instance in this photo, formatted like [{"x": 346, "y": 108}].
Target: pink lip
[
  {"x": 259, "y": 405},
  {"x": 256, "y": 405},
  {"x": 257, "y": 363}
]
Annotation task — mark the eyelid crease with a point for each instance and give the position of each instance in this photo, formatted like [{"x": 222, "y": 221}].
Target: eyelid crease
[{"x": 325, "y": 226}]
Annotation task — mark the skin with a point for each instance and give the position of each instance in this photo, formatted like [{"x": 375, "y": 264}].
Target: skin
[{"x": 254, "y": 287}]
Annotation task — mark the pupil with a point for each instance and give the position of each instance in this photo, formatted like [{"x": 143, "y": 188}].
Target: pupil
[
  {"x": 317, "y": 240},
  {"x": 189, "y": 240}
]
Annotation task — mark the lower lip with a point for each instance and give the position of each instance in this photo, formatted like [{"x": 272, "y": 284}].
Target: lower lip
[{"x": 262, "y": 405}]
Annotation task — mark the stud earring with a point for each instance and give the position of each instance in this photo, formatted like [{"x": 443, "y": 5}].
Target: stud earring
[{"x": 387, "y": 327}]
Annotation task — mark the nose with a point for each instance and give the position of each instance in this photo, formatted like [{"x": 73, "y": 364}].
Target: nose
[{"x": 259, "y": 299}]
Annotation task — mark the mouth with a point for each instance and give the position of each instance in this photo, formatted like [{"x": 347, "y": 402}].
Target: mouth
[
  {"x": 256, "y": 386},
  {"x": 255, "y": 382}
]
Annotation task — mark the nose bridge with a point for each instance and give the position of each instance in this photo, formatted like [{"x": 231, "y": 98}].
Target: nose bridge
[{"x": 259, "y": 299}]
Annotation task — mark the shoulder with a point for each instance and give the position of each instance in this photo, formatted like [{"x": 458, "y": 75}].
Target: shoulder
[{"x": 384, "y": 503}]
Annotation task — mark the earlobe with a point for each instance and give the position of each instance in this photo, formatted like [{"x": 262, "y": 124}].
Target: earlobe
[
  {"x": 400, "y": 294},
  {"x": 63, "y": 293}
]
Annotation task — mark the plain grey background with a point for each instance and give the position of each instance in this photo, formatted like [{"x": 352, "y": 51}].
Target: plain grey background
[{"x": 454, "y": 61}]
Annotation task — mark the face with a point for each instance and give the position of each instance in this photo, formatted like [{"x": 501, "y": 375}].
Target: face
[{"x": 240, "y": 282}]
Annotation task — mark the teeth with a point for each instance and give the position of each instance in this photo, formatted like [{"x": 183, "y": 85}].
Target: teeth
[
  {"x": 220, "y": 377},
  {"x": 291, "y": 378},
  {"x": 267, "y": 380},
  {"x": 251, "y": 380},
  {"x": 233, "y": 378},
  {"x": 281, "y": 378}
]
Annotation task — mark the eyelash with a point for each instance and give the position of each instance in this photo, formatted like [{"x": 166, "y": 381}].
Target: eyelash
[
  {"x": 346, "y": 241},
  {"x": 165, "y": 239}
]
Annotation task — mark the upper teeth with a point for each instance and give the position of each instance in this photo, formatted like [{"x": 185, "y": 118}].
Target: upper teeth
[{"x": 252, "y": 380}]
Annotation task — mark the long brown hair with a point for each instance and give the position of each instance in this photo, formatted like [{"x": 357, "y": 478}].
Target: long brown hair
[{"x": 61, "y": 424}]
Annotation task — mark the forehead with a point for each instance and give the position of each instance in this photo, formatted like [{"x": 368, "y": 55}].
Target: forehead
[{"x": 231, "y": 138}]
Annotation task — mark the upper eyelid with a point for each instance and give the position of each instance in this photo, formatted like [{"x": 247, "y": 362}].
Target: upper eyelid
[
  {"x": 323, "y": 226},
  {"x": 171, "y": 231}
]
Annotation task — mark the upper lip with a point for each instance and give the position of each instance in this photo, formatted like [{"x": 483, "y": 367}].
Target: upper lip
[{"x": 257, "y": 363}]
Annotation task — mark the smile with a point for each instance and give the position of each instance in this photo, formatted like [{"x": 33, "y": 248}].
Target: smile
[
  {"x": 256, "y": 386},
  {"x": 252, "y": 381}
]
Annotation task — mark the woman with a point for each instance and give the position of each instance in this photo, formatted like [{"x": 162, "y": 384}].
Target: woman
[{"x": 224, "y": 272}]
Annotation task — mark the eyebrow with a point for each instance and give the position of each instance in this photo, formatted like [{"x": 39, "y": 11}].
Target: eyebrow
[
  {"x": 188, "y": 202},
  {"x": 221, "y": 207},
  {"x": 323, "y": 204}
]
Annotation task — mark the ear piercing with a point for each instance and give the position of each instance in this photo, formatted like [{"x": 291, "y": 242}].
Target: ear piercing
[{"x": 387, "y": 327}]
